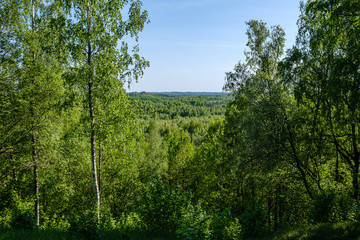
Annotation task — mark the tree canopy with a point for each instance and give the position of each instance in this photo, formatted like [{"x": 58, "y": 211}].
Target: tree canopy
[{"x": 80, "y": 157}]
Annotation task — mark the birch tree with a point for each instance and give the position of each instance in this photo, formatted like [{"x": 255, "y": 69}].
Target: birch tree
[
  {"x": 101, "y": 58},
  {"x": 31, "y": 75}
]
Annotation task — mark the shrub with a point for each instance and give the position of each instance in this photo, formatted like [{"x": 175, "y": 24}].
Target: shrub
[
  {"x": 160, "y": 207},
  {"x": 5, "y": 218},
  {"x": 331, "y": 206},
  {"x": 58, "y": 223},
  {"x": 322, "y": 206},
  {"x": 253, "y": 223},
  {"x": 85, "y": 225},
  {"x": 23, "y": 214},
  {"x": 232, "y": 230},
  {"x": 345, "y": 208},
  {"x": 194, "y": 223},
  {"x": 225, "y": 227}
]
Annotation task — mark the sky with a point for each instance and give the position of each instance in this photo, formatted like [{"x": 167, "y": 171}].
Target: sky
[{"x": 192, "y": 43}]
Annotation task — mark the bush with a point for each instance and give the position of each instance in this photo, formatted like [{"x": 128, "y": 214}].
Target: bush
[
  {"x": 253, "y": 223},
  {"x": 164, "y": 209},
  {"x": 322, "y": 206},
  {"x": 331, "y": 206},
  {"x": 58, "y": 223},
  {"x": 5, "y": 218},
  {"x": 194, "y": 223},
  {"x": 232, "y": 230},
  {"x": 225, "y": 227},
  {"x": 125, "y": 222},
  {"x": 160, "y": 207},
  {"x": 23, "y": 214},
  {"x": 345, "y": 208},
  {"x": 85, "y": 224}
]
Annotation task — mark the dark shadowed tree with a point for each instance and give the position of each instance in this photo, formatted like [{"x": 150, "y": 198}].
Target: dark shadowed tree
[{"x": 324, "y": 68}]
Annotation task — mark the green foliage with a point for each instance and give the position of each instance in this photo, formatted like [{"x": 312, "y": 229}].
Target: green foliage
[
  {"x": 253, "y": 223},
  {"x": 160, "y": 206},
  {"x": 194, "y": 223},
  {"x": 29, "y": 234},
  {"x": 224, "y": 226},
  {"x": 208, "y": 168},
  {"x": 332, "y": 206},
  {"x": 86, "y": 225},
  {"x": 323, "y": 73},
  {"x": 126, "y": 222},
  {"x": 180, "y": 151},
  {"x": 22, "y": 215},
  {"x": 323, "y": 205},
  {"x": 5, "y": 218},
  {"x": 57, "y": 223},
  {"x": 177, "y": 106},
  {"x": 341, "y": 231},
  {"x": 172, "y": 165}
]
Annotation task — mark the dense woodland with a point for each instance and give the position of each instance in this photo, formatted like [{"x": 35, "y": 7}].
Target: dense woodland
[
  {"x": 173, "y": 106},
  {"x": 275, "y": 157}
]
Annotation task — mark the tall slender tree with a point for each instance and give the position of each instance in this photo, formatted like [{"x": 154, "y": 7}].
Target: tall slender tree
[
  {"x": 32, "y": 73},
  {"x": 99, "y": 64}
]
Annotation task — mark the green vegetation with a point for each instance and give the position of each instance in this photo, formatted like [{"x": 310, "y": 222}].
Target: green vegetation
[
  {"x": 341, "y": 231},
  {"x": 277, "y": 157},
  {"x": 175, "y": 106}
]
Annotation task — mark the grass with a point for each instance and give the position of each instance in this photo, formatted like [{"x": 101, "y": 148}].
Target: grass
[
  {"x": 138, "y": 235},
  {"x": 30, "y": 234},
  {"x": 326, "y": 231},
  {"x": 338, "y": 231},
  {"x": 24, "y": 234}
]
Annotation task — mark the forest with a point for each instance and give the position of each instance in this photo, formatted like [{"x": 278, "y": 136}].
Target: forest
[{"x": 275, "y": 156}]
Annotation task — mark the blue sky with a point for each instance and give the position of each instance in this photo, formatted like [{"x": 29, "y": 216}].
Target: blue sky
[{"x": 192, "y": 43}]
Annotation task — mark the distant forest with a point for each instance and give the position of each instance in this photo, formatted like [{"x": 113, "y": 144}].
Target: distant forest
[
  {"x": 175, "y": 105},
  {"x": 178, "y": 93}
]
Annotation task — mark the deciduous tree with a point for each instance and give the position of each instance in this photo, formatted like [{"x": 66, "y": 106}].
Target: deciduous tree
[{"x": 99, "y": 64}]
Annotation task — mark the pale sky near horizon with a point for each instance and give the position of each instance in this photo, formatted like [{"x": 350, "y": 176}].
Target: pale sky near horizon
[{"x": 192, "y": 43}]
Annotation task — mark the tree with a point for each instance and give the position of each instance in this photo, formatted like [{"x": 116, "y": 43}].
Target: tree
[
  {"x": 324, "y": 68},
  {"x": 31, "y": 74},
  {"x": 268, "y": 135},
  {"x": 179, "y": 153},
  {"x": 208, "y": 172},
  {"x": 254, "y": 119},
  {"x": 96, "y": 28}
]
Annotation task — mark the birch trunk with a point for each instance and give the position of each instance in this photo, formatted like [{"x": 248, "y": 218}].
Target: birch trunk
[
  {"x": 92, "y": 117},
  {"x": 33, "y": 137}
]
